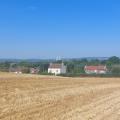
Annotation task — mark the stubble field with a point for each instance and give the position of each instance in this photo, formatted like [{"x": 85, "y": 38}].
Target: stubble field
[{"x": 33, "y": 97}]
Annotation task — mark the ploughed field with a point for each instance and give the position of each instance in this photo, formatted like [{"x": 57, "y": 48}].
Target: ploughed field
[{"x": 32, "y": 97}]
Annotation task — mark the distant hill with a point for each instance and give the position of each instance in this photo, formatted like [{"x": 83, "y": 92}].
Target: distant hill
[{"x": 50, "y": 60}]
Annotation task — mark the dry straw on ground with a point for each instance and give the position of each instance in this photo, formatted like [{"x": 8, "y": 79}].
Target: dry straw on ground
[{"x": 30, "y": 97}]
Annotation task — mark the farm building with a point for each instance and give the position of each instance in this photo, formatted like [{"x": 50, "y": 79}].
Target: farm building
[
  {"x": 95, "y": 69},
  {"x": 57, "y": 68},
  {"x": 34, "y": 70},
  {"x": 16, "y": 70},
  {"x": 19, "y": 70}
]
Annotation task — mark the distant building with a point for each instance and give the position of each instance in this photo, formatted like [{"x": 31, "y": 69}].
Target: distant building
[
  {"x": 19, "y": 69},
  {"x": 95, "y": 69},
  {"x": 57, "y": 68},
  {"x": 34, "y": 70},
  {"x": 16, "y": 70}
]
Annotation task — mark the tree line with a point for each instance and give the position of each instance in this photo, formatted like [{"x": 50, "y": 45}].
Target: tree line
[{"x": 74, "y": 66}]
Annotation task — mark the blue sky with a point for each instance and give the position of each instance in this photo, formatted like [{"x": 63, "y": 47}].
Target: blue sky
[{"x": 66, "y": 28}]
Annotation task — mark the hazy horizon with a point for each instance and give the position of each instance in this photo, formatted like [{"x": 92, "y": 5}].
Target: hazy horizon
[{"x": 55, "y": 58}]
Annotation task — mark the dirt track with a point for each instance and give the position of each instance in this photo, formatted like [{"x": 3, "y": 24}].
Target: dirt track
[{"x": 28, "y": 97}]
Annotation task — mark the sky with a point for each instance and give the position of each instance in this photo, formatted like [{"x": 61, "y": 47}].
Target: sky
[{"x": 65, "y": 28}]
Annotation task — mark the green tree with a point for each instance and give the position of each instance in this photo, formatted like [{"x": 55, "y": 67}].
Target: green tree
[
  {"x": 113, "y": 60},
  {"x": 70, "y": 67},
  {"x": 116, "y": 70}
]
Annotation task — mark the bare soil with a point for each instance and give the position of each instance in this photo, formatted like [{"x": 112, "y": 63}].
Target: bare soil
[{"x": 34, "y": 97}]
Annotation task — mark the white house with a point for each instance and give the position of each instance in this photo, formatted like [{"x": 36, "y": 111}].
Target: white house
[{"x": 57, "y": 68}]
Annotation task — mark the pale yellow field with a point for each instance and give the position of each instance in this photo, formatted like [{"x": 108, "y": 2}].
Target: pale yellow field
[{"x": 30, "y": 97}]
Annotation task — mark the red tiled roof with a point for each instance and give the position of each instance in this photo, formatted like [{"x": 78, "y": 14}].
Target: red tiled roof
[
  {"x": 95, "y": 68},
  {"x": 55, "y": 66}
]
